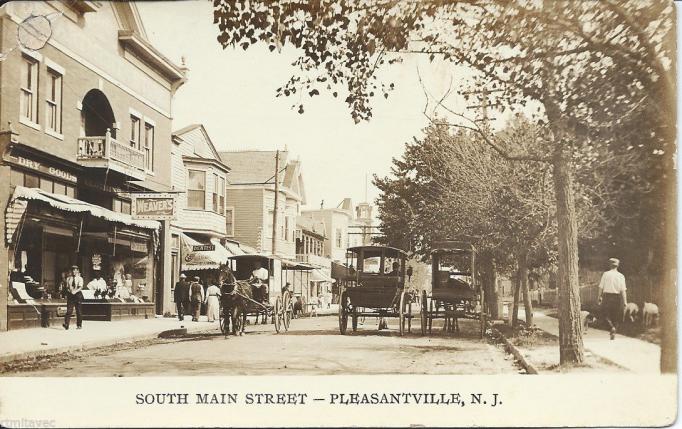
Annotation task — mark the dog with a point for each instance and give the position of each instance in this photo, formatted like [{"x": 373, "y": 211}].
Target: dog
[
  {"x": 649, "y": 314},
  {"x": 587, "y": 318},
  {"x": 631, "y": 312}
]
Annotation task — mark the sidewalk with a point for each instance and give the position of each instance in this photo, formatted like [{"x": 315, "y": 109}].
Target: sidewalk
[
  {"x": 28, "y": 343},
  {"x": 638, "y": 356}
]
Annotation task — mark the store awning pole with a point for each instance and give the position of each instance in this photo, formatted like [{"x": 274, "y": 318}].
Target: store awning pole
[{"x": 80, "y": 233}]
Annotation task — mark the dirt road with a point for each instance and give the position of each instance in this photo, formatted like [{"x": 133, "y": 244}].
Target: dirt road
[{"x": 312, "y": 347}]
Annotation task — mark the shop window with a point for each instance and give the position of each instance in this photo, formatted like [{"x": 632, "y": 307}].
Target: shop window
[
  {"x": 16, "y": 178},
  {"x": 59, "y": 188},
  {"x": 121, "y": 206},
  {"x": 134, "y": 131},
  {"x": 46, "y": 185},
  {"x": 175, "y": 241},
  {"x": 126, "y": 207},
  {"x": 196, "y": 189},
  {"x": 31, "y": 181},
  {"x": 29, "y": 90},
  {"x": 71, "y": 191},
  {"x": 229, "y": 221},
  {"x": 149, "y": 146},
  {"x": 54, "y": 102}
]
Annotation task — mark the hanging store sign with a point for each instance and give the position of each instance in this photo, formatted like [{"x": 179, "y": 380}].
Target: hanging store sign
[
  {"x": 138, "y": 247},
  {"x": 157, "y": 206},
  {"x": 203, "y": 248}
]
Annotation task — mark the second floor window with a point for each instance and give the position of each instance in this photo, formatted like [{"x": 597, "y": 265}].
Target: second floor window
[
  {"x": 29, "y": 90},
  {"x": 218, "y": 194},
  {"x": 54, "y": 102},
  {"x": 134, "y": 132},
  {"x": 229, "y": 222},
  {"x": 339, "y": 238},
  {"x": 149, "y": 146},
  {"x": 196, "y": 189}
]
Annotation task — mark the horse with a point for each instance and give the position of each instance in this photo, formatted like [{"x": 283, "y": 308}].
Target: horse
[{"x": 232, "y": 293}]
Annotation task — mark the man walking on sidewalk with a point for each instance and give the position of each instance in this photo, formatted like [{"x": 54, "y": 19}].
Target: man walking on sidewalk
[
  {"x": 181, "y": 296},
  {"x": 196, "y": 294},
  {"x": 74, "y": 298},
  {"x": 612, "y": 296}
]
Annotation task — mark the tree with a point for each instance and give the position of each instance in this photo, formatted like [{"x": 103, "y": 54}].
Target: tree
[
  {"x": 594, "y": 68},
  {"x": 451, "y": 186}
]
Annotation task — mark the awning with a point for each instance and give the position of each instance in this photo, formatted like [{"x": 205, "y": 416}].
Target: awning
[
  {"x": 340, "y": 272},
  {"x": 288, "y": 264},
  {"x": 202, "y": 256},
  {"x": 22, "y": 195},
  {"x": 234, "y": 248},
  {"x": 319, "y": 276}
]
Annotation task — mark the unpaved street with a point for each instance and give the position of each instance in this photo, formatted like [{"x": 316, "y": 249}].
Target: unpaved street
[{"x": 312, "y": 347}]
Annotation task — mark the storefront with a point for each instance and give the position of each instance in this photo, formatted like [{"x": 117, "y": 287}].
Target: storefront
[{"x": 47, "y": 233}]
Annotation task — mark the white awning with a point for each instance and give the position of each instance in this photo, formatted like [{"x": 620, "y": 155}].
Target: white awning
[
  {"x": 195, "y": 257},
  {"x": 22, "y": 195},
  {"x": 319, "y": 276}
]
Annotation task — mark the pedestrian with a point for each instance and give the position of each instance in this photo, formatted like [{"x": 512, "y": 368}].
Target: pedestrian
[
  {"x": 213, "y": 302},
  {"x": 196, "y": 297},
  {"x": 181, "y": 297},
  {"x": 74, "y": 298},
  {"x": 612, "y": 296}
]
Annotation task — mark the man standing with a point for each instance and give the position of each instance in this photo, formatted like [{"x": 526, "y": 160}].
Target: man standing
[
  {"x": 181, "y": 296},
  {"x": 612, "y": 296},
  {"x": 196, "y": 297},
  {"x": 74, "y": 297}
]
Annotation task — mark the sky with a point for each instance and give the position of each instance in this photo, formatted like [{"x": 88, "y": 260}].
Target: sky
[{"x": 232, "y": 92}]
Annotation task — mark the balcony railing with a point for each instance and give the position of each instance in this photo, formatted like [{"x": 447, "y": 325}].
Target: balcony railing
[
  {"x": 98, "y": 151},
  {"x": 313, "y": 259}
]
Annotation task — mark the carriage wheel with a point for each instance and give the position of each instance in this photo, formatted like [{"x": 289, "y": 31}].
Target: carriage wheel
[
  {"x": 403, "y": 304},
  {"x": 343, "y": 313},
  {"x": 424, "y": 312},
  {"x": 287, "y": 310},
  {"x": 277, "y": 314},
  {"x": 223, "y": 321}
]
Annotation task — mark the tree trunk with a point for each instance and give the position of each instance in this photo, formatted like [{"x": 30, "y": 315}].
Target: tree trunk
[
  {"x": 527, "y": 305},
  {"x": 515, "y": 303},
  {"x": 490, "y": 286},
  {"x": 570, "y": 329}
]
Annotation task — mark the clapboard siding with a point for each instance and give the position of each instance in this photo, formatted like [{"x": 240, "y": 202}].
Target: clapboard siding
[{"x": 248, "y": 219}]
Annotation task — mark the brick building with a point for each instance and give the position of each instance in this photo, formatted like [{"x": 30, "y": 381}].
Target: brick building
[{"x": 85, "y": 124}]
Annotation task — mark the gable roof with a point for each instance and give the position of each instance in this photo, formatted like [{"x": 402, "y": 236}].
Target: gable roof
[
  {"x": 254, "y": 167},
  {"x": 204, "y": 138},
  {"x": 311, "y": 225}
]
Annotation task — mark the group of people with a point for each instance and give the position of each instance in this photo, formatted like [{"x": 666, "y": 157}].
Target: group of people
[{"x": 190, "y": 295}]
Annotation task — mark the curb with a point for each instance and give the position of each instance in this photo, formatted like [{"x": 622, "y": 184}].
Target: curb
[
  {"x": 530, "y": 369},
  {"x": 82, "y": 347}
]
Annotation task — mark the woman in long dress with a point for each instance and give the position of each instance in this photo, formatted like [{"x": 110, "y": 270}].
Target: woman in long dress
[{"x": 212, "y": 301}]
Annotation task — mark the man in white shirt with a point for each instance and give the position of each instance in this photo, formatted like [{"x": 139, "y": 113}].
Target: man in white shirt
[
  {"x": 259, "y": 282},
  {"x": 612, "y": 296},
  {"x": 74, "y": 297}
]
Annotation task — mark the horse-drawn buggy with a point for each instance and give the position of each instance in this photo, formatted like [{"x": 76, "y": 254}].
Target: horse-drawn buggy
[
  {"x": 257, "y": 285},
  {"x": 376, "y": 287},
  {"x": 456, "y": 292}
]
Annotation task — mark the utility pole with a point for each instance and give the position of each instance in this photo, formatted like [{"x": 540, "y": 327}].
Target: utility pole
[{"x": 274, "y": 213}]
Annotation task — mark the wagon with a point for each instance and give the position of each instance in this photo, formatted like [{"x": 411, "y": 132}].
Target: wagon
[
  {"x": 277, "y": 305},
  {"x": 376, "y": 287},
  {"x": 456, "y": 292}
]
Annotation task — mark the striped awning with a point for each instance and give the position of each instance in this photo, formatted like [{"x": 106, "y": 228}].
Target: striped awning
[
  {"x": 195, "y": 255},
  {"x": 22, "y": 195}
]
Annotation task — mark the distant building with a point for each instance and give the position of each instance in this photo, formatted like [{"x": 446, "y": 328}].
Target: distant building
[{"x": 251, "y": 199}]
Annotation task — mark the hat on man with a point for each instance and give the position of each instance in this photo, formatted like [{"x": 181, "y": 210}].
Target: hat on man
[
  {"x": 182, "y": 276},
  {"x": 74, "y": 267},
  {"x": 196, "y": 278},
  {"x": 614, "y": 262}
]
